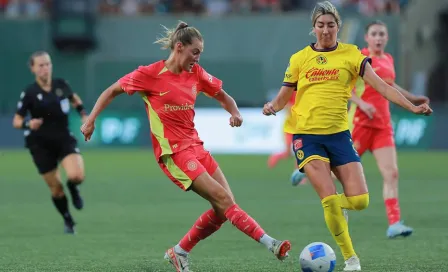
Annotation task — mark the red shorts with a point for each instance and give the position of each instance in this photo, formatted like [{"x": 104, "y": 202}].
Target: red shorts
[
  {"x": 185, "y": 166},
  {"x": 367, "y": 138}
]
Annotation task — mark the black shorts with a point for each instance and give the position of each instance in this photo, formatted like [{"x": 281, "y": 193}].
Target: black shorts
[{"x": 47, "y": 155}]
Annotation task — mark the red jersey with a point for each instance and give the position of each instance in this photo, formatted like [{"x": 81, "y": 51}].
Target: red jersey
[
  {"x": 169, "y": 100},
  {"x": 384, "y": 68}
]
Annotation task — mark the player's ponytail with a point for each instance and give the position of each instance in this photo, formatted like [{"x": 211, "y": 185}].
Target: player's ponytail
[{"x": 182, "y": 33}]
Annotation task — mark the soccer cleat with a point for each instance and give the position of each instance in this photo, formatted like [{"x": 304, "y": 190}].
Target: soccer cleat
[
  {"x": 69, "y": 227},
  {"x": 179, "y": 261},
  {"x": 398, "y": 229},
  {"x": 280, "y": 249},
  {"x": 298, "y": 178},
  {"x": 352, "y": 264},
  {"x": 77, "y": 201}
]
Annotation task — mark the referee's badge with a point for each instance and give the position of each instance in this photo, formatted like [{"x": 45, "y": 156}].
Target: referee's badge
[{"x": 65, "y": 105}]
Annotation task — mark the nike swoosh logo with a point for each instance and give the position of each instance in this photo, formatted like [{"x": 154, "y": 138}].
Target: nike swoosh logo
[
  {"x": 339, "y": 233},
  {"x": 164, "y": 93}
]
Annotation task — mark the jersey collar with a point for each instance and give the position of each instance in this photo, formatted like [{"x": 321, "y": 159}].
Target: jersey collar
[{"x": 324, "y": 50}]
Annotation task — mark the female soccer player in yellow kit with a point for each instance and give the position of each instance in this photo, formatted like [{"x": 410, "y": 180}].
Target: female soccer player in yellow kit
[{"x": 324, "y": 74}]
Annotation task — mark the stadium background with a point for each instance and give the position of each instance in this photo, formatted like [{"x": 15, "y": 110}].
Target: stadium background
[{"x": 133, "y": 212}]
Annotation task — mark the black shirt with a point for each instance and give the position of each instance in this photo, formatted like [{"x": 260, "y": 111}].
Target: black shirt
[{"x": 53, "y": 107}]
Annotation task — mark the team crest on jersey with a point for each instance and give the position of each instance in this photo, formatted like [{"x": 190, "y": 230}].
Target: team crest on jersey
[
  {"x": 300, "y": 155},
  {"x": 297, "y": 144},
  {"x": 59, "y": 92},
  {"x": 321, "y": 59},
  {"x": 191, "y": 165}
]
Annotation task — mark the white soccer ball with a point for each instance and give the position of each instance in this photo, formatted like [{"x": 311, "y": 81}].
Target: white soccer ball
[{"x": 317, "y": 257}]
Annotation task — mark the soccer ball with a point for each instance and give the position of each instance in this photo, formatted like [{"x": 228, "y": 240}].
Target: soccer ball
[{"x": 317, "y": 257}]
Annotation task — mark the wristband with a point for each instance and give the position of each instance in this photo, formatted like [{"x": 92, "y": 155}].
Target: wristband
[
  {"x": 81, "y": 110},
  {"x": 26, "y": 124}
]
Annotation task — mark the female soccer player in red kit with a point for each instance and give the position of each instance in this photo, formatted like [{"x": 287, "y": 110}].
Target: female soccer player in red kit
[
  {"x": 169, "y": 89},
  {"x": 371, "y": 123}
]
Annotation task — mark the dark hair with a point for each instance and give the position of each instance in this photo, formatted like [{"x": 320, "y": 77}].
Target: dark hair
[
  {"x": 182, "y": 33},
  {"x": 376, "y": 22},
  {"x": 35, "y": 55}
]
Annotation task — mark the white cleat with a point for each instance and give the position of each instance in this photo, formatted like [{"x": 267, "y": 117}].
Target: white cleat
[
  {"x": 352, "y": 264},
  {"x": 179, "y": 261},
  {"x": 280, "y": 249}
]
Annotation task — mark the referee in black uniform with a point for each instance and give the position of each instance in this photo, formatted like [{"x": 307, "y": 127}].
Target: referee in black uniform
[{"x": 47, "y": 134}]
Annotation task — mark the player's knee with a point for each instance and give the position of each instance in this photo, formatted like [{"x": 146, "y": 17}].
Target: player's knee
[
  {"x": 359, "y": 202},
  {"x": 390, "y": 173},
  {"x": 56, "y": 190},
  {"x": 76, "y": 178},
  {"x": 223, "y": 200}
]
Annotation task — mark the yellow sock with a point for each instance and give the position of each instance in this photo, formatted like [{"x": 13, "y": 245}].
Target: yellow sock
[
  {"x": 357, "y": 203},
  {"x": 337, "y": 225}
]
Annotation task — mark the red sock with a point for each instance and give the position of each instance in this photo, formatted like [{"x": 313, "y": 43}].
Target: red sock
[
  {"x": 206, "y": 225},
  {"x": 392, "y": 210},
  {"x": 244, "y": 222}
]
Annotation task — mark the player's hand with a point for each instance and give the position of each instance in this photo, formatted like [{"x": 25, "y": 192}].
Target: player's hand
[
  {"x": 268, "y": 109},
  {"x": 236, "y": 121},
  {"x": 35, "y": 123},
  {"x": 87, "y": 129},
  {"x": 422, "y": 109},
  {"x": 421, "y": 99},
  {"x": 368, "y": 109}
]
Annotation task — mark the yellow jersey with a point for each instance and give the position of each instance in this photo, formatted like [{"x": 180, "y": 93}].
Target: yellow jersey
[{"x": 324, "y": 79}]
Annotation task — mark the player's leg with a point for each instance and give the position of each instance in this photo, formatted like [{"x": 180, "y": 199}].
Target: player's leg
[
  {"x": 73, "y": 164},
  {"x": 362, "y": 139},
  {"x": 46, "y": 163},
  {"x": 209, "y": 222},
  {"x": 312, "y": 157},
  {"x": 386, "y": 157},
  {"x": 224, "y": 205}
]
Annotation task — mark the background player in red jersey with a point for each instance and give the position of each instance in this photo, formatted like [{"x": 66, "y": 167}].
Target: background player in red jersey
[
  {"x": 371, "y": 123},
  {"x": 286, "y": 152},
  {"x": 169, "y": 89}
]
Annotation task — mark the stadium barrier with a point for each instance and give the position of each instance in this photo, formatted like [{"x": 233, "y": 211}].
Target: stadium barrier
[{"x": 258, "y": 135}]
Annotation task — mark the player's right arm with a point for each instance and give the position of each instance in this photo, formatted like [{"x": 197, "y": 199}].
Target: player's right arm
[
  {"x": 287, "y": 89},
  {"x": 19, "y": 121},
  {"x": 130, "y": 83}
]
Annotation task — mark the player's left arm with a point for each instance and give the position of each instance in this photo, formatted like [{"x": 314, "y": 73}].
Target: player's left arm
[
  {"x": 228, "y": 103},
  {"x": 416, "y": 99},
  {"x": 391, "y": 93}
]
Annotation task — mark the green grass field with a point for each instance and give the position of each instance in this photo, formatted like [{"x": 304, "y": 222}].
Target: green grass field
[{"x": 133, "y": 214}]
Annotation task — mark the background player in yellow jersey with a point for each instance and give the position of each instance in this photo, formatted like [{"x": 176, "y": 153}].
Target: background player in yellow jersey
[{"x": 324, "y": 74}]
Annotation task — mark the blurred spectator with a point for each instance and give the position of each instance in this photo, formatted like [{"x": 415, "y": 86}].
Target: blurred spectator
[
  {"x": 15, "y": 8},
  {"x": 29, "y": 8}
]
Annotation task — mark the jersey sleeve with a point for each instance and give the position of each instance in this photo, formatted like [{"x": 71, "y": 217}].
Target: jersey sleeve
[
  {"x": 209, "y": 84},
  {"x": 67, "y": 89},
  {"x": 292, "y": 72},
  {"x": 359, "y": 61},
  {"x": 139, "y": 80},
  {"x": 24, "y": 104}
]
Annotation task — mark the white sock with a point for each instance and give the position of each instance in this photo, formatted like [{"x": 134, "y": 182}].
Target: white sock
[
  {"x": 180, "y": 250},
  {"x": 267, "y": 240}
]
